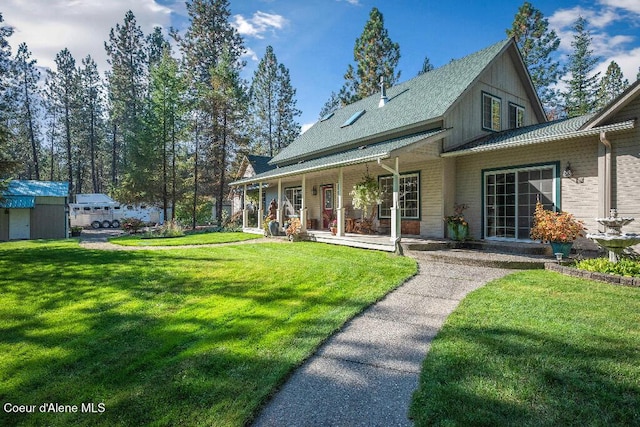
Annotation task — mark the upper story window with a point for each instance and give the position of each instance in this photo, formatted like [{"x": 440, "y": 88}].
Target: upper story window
[
  {"x": 516, "y": 116},
  {"x": 491, "y": 107}
]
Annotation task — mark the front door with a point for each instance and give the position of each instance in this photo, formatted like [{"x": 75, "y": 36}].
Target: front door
[
  {"x": 327, "y": 206},
  {"x": 19, "y": 224}
]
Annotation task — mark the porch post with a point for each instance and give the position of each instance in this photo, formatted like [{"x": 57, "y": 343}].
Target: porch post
[
  {"x": 303, "y": 207},
  {"x": 395, "y": 210},
  {"x": 245, "y": 211},
  {"x": 279, "y": 212},
  {"x": 340, "y": 207},
  {"x": 260, "y": 212}
]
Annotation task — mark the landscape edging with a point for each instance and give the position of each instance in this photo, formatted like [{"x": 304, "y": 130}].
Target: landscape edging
[{"x": 601, "y": 277}]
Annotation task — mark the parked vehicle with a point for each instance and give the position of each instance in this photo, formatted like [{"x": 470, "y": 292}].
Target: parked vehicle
[{"x": 101, "y": 211}]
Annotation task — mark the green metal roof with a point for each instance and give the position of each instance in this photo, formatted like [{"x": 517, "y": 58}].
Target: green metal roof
[
  {"x": 422, "y": 99},
  {"x": 352, "y": 156},
  {"x": 38, "y": 188},
  {"x": 17, "y": 202}
]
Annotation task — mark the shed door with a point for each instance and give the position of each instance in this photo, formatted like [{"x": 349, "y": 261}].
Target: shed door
[{"x": 19, "y": 224}]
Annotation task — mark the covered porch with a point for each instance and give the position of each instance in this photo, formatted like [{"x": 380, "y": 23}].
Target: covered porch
[{"x": 317, "y": 191}]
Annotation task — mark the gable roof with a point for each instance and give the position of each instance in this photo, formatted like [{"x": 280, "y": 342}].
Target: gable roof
[
  {"x": 37, "y": 188},
  {"x": 259, "y": 164},
  {"x": 411, "y": 104}
]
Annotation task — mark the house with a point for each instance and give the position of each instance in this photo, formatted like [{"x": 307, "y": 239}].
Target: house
[
  {"x": 34, "y": 210},
  {"x": 250, "y": 166},
  {"x": 472, "y": 132}
]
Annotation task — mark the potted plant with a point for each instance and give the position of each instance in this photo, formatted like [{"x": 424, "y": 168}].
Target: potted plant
[
  {"x": 76, "y": 231},
  {"x": 333, "y": 226},
  {"x": 457, "y": 226},
  {"x": 560, "y": 229}
]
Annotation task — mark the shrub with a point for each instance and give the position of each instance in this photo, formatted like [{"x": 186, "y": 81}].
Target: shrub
[
  {"x": 550, "y": 226},
  {"x": 624, "y": 267},
  {"x": 132, "y": 225}
]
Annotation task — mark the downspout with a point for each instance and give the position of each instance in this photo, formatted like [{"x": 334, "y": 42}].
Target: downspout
[{"x": 607, "y": 184}]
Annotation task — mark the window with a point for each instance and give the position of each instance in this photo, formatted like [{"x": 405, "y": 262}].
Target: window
[
  {"x": 510, "y": 198},
  {"x": 491, "y": 106},
  {"x": 516, "y": 116},
  {"x": 353, "y": 118},
  {"x": 409, "y": 196},
  {"x": 293, "y": 200}
]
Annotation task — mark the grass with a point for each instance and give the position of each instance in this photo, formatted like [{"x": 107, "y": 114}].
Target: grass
[
  {"x": 535, "y": 349},
  {"x": 190, "y": 239},
  {"x": 197, "y": 336}
]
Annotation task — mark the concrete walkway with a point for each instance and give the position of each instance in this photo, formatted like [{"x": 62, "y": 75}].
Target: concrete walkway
[{"x": 366, "y": 374}]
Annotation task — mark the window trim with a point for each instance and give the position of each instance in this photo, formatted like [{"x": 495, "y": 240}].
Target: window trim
[
  {"x": 293, "y": 206},
  {"x": 493, "y": 98},
  {"x": 516, "y": 107},
  {"x": 557, "y": 194},
  {"x": 419, "y": 196}
]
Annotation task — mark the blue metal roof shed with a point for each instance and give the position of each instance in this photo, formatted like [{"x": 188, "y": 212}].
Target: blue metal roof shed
[{"x": 38, "y": 188}]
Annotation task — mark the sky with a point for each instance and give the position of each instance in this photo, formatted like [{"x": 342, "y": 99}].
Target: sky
[{"x": 314, "y": 39}]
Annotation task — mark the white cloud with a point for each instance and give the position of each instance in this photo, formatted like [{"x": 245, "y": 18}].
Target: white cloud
[
  {"x": 48, "y": 26},
  {"x": 305, "y": 127},
  {"x": 258, "y": 24},
  {"x": 632, "y": 6},
  {"x": 629, "y": 61}
]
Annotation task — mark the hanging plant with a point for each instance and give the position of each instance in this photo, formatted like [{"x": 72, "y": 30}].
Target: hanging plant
[{"x": 366, "y": 195}]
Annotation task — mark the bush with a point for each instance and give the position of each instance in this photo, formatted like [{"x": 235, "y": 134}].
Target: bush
[
  {"x": 549, "y": 226},
  {"x": 624, "y": 267},
  {"x": 132, "y": 225}
]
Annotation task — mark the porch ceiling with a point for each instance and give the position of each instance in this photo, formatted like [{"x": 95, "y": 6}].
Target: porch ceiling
[{"x": 415, "y": 143}]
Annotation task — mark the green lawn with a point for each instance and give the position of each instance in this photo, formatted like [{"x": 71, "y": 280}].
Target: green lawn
[
  {"x": 536, "y": 349},
  {"x": 196, "y": 336},
  {"x": 190, "y": 239}
]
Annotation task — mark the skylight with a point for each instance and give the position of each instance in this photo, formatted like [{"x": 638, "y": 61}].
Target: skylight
[
  {"x": 327, "y": 116},
  {"x": 353, "y": 118}
]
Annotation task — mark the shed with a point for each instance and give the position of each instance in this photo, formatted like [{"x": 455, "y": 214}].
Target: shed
[{"x": 34, "y": 210}]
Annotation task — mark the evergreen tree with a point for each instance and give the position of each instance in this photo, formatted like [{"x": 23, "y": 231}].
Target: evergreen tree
[
  {"x": 426, "y": 66},
  {"x": 5, "y": 102},
  {"x": 63, "y": 89},
  {"x": 581, "y": 95},
  {"x": 332, "y": 104},
  {"x": 127, "y": 56},
  {"x": 537, "y": 44},
  {"x": 27, "y": 111},
  {"x": 209, "y": 36},
  {"x": 375, "y": 56},
  {"x": 638, "y": 75},
  {"x": 91, "y": 120},
  {"x": 272, "y": 106},
  {"x": 612, "y": 84}
]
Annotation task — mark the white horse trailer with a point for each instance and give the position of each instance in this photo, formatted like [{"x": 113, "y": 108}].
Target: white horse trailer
[{"x": 101, "y": 211}]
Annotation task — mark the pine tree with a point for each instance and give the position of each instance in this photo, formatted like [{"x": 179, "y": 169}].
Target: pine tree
[
  {"x": 127, "y": 85},
  {"x": 5, "y": 102},
  {"x": 27, "y": 110},
  {"x": 612, "y": 84},
  {"x": 272, "y": 106},
  {"x": 332, "y": 104},
  {"x": 581, "y": 95},
  {"x": 91, "y": 120},
  {"x": 63, "y": 90},
  {"x": 375, "y": 56},
  {"x": 426, "y": 66},
  {"x": 209, "y": 36},
  {"x": 537, "y": 44}
]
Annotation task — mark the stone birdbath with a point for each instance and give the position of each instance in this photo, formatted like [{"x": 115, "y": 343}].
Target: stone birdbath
[{"x": 613, "y": 239}]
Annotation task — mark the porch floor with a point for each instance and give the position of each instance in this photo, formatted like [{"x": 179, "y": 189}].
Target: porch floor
[{"x": 480, "y": 253}]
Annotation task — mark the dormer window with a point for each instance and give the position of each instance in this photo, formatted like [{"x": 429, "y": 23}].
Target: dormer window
[
  {"x": 491, "y": 107},
  {"x": 516, "y": 116}
]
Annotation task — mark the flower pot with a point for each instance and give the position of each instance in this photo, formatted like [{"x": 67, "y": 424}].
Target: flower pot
[
  {"x": 334, "y": 230},
  {"x": 561, "y": 247},
  {"x": 457, "y": 231}
]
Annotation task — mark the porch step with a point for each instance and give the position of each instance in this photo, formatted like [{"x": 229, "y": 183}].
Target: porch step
[
  {"x": 484, "y": 246},
  {"x": 362, "y": 243},
  {"x": 483, "y": 258}
]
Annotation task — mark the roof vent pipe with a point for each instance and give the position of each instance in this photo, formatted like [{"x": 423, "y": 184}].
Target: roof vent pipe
[{"x": 383, "y": 93}]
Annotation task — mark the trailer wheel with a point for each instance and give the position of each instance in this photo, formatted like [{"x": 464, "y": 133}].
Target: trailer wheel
[
  {"x": 115, "y": 223},
  {"x": 95, "y": 225},
  {"x": 106, "y": 224}
]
